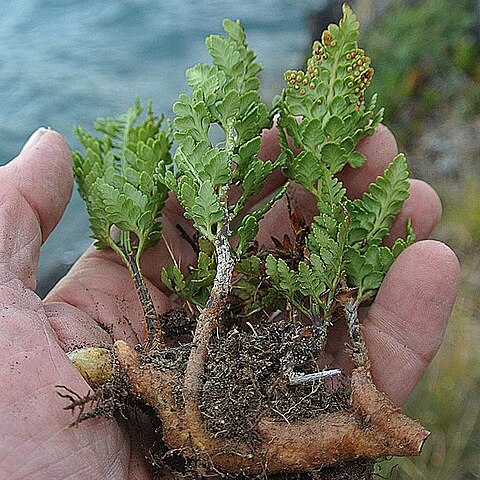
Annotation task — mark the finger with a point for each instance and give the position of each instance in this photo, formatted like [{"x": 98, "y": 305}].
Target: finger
[
  {"x": 33, "y": 364},
  {"x": 406, "y": 323},
  {"x": 277, "y": 222},
  {"x": 270, "y": 146},
  {"x": 34, "y": 190},
  {"x": 379, "y": 149},
  {"x": 75, "y": 328},
  {"x": 423, "y": 207},
  {"x": 173, "y": 248},
  {"x": 269, "y": 150}
]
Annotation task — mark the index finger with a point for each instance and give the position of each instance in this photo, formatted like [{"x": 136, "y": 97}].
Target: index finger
[{"x": 35, "y": 188}]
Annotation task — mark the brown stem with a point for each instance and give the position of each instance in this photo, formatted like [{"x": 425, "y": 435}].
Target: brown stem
[
  {"x": 206, "y": 324},
  {"x": 320, "y": 329},
  {"x": 149, "y": 312},
  {"x": 359, "y": 355},
  {"x": 374, "y": 429}
]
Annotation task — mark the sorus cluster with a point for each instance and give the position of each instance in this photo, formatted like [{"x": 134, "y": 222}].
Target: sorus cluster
[
  {"x": 328, "y": 40},
  {"x": 357, "y": 65},
  {"x": 301, "y": 81},
  {"x": 318, "y": 55},
  {"x": 360, "y": 71}
]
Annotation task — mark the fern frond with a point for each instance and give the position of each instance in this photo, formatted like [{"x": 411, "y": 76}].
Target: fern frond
[{"x": 373, "y": 214}]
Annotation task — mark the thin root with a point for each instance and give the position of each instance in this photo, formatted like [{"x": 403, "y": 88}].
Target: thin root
[{"x": 80, "y": 403}]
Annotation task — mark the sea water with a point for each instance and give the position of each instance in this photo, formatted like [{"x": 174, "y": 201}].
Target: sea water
[{"x": 68, "y": 62}]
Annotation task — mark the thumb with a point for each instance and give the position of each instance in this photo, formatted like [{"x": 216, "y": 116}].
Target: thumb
[{"x": 35, "y": 188}]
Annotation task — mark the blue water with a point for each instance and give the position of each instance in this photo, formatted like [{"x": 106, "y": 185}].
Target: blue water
[{"x": 67, "y": 62}]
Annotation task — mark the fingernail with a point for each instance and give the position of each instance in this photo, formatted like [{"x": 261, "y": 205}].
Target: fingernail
[{"x": 34, "y": 138}]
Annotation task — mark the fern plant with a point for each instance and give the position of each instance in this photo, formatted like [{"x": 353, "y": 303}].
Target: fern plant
[
  {"x": 325, "y": 272},
  {"x": 225, "y": 94},
  {"x": 120, "y": 177},
  {"x": 324, "y": 112}
]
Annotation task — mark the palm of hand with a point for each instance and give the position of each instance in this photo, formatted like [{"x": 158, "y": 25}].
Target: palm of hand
[{"x": 95, "y": 303}]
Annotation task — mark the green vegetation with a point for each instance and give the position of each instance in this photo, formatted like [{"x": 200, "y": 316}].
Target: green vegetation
[
  {"x": 426, "y": 57},
  {"x": 125, "y": 175}
]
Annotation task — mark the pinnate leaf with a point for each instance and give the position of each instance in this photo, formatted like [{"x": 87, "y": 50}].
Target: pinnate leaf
[
  {"x": 282, "y": 277},
  {"x": 206, "y": 210},
  {"x": 120, "y": 176},
  {"x": 373, "y": 214}
]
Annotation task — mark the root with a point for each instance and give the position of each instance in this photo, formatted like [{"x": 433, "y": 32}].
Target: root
[
  {"x": 206, "y": 324},
  {"x": 78, "y": 403},
  {"x": 375, "y": 429}
]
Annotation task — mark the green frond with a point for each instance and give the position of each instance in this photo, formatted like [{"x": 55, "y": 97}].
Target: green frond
[
  {"x": 206, "y": 212},
  {"x": 120, "y": 175},
  {"x": 282, "y": 277},
  {"x": 323, "y": 109},
  {"x": 373, "y": 214},
  {"x": 126, "y": 171},
  {"x": 225, "y": 94}
]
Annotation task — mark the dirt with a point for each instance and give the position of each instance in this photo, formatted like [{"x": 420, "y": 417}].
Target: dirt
[
  {"x": 247, "y": 377},
  {"x": 359, "y": 470}
]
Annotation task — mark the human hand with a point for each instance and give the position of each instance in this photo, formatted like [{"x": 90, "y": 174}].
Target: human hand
[
  {"x": 35, "y": 442},
  {"x": 96, "y": 303}
]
